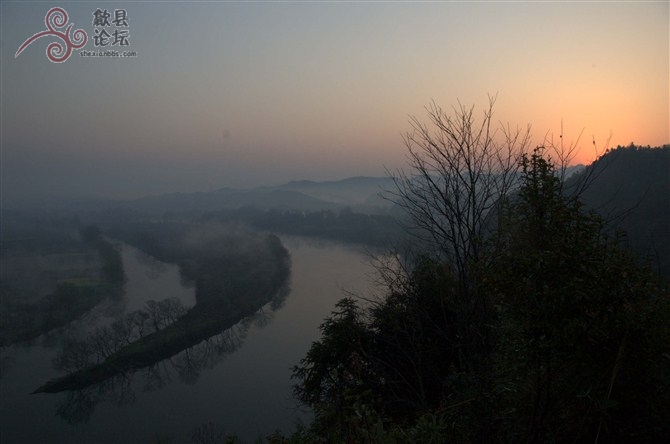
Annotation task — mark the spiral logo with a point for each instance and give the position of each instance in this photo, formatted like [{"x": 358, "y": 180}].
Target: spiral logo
[{"x": 56, "y": 52}]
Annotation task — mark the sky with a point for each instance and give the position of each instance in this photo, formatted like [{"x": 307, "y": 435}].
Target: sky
[{"x": 244, "y": 94}]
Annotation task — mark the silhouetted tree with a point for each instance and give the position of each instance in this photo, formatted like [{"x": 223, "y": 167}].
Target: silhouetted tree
[
  {"x": 582, "y": 343},
  {"x": 459, "y": 169},
  {"x": 581, "y": 349}
]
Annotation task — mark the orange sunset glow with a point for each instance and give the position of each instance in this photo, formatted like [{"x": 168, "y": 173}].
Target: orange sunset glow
[{"x": 318, "y": 90}]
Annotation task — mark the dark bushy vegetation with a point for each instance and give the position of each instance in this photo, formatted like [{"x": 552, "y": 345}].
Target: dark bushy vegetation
[{"x": 572, "y": 335}]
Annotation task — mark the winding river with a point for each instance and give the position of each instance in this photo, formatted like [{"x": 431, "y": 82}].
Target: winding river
[{"x": 239, "y": 380}]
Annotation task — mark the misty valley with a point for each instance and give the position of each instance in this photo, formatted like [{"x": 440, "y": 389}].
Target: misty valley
[
  {"x": 329, "y": 222},
  {"x": 185, "y": 297},
  {"x": 189, "y": 317}
]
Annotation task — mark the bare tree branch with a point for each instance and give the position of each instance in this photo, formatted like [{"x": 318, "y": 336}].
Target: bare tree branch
[{"x": 460, "y": 168}]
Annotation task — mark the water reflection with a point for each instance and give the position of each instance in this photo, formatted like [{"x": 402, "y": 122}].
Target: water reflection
[
  {"x": 76, "y": 353},
  {"x": 248, "y": 394}
]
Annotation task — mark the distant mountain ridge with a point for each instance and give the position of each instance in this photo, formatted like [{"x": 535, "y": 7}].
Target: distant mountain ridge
[
  {"x": 360, "y": 193},
  {"x": 359, "y": 190},
  {"x": 631, "y": 189}
]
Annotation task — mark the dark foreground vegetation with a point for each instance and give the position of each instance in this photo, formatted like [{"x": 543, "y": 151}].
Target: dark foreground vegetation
[
  {"x": 235, "y": 274},
  {"x": 555, "y": 334}
]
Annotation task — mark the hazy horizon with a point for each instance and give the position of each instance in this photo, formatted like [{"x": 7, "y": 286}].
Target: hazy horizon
[{"x": 258, "y": 94}]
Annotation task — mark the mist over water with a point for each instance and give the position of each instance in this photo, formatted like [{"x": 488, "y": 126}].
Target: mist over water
[{"x": 245, "y": 392}]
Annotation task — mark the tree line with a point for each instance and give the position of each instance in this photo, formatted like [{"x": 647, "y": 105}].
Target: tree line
[{"x": 346, "y": 225}]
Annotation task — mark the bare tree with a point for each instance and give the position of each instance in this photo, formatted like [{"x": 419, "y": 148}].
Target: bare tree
[
  {"x": 460, "y": 169},
  {"x": 562, "y": 154}
]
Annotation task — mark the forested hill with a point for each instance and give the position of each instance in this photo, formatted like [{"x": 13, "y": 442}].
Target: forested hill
[{"x": 631, "y": 189}]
